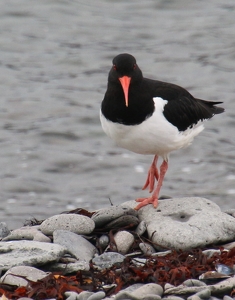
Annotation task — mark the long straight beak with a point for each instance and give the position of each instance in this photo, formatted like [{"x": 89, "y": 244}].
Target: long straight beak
[{"x": 125, "y": 82}]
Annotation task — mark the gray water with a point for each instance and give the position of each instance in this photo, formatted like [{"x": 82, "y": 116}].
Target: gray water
[{"x": 54, "y": 60}]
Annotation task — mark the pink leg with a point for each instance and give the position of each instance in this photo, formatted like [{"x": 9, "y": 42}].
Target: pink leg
[
  {"x": 152, "y": 175},
  {"x": 154, "y": 198}
]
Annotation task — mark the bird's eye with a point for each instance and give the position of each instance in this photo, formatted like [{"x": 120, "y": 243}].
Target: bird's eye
[
  {"x": 114, "y": 67},
  {"x": 134, "y": 66}
]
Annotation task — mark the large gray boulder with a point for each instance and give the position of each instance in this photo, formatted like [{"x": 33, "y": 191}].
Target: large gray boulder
[{"x": 185, "y": 223}]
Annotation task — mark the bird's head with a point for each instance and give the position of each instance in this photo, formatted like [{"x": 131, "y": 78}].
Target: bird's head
[{"x": 125, "y": 71}]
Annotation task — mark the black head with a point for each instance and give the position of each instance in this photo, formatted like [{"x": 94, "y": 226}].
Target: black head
[{"x": 125, "y": 71}]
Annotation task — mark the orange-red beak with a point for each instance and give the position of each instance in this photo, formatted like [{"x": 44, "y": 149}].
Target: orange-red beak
[{"x": 125, "y": 82}]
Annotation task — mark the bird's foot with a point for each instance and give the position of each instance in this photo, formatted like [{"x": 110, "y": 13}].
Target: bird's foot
[
  {"x": 145, "y": 201},
  {"x": 152, "y": 176}
]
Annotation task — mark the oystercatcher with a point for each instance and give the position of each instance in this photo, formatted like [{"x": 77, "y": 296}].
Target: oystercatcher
[{"x": 150, "y": 117}]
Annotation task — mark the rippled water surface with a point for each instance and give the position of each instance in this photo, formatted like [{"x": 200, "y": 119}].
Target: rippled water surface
[{"x": 54, "y": 61}]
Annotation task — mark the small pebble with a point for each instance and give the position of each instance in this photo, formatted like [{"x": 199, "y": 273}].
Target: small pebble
[
  {"x": 147, "y": 249},
  {"x": 103, "y": 241},
  {"x": 124, "y": 241}
]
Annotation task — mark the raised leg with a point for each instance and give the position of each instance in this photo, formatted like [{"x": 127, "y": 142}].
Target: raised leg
[
  {"x": 154, "y": 198},
  {"x": 152, "y": 175}
]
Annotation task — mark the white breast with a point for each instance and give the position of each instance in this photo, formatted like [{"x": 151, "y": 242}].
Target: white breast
[{"x": 153, "y": 136}]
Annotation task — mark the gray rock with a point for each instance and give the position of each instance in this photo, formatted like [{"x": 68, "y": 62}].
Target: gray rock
[
  {"x": 73, "y": 296},
  {"x": 173, "y": 298},
  {"x": 108, "y": 259},
  {"x": 27, "y": 233},
  {"x": 75, "y": 244},
  {"x": 122, "y": 221},
  {"x": 193, "y": 282},
  {"x": 103, "y": 241},
  {"x": 194, "y": 297},
  {"x": 227, "y": 298},
  {"x": 148, "y": 291},
  {"x": 185, "y": 223},
  {"x": 4, "y": 231},
  {"x": 68, "y": 268},
  {"x": 224, "y": 287},
  {"x": 203, "y": 294},
  {"x": 14, "y": 276},
  {"x": 28, "y": 253},
  {"x": 97, "y": 296},
  {"x": 124, "y": 241},
  {"x": 146, "y": 248},
  {"x": 72, "y": 222},
  {"x": 105, "y": 215},
  {"x": 141, "y": 228}
]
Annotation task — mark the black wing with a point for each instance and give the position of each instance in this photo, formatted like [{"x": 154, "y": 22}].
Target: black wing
[{"x": 182, "y": 109}]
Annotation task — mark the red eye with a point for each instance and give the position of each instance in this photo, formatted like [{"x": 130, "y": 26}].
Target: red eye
[
  {"x": 134, "y": 66},
  {"x": 114, "y": 67}
]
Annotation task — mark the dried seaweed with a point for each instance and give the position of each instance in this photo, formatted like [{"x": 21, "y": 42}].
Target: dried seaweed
[{"x": 173, "y": 268}]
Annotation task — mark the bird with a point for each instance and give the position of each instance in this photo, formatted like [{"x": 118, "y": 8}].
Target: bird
[{"x": 150, "y": 117}]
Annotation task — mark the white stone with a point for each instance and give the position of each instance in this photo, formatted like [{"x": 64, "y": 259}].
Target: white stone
[
  {"x": 72, "y": 222},
  {"x": 28, "y": 253},
  {"x": 124, "y": 241},
  {"x": 184, "y": 223},
  {"x": 15, "y": 275}
]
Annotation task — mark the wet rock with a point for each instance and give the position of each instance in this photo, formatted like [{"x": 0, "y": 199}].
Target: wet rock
[
  {"x": 72, "y": 222},
  {"x": 229, "y": 246},
  {"x": 185, "y": 223},
  {"x": 28, "y": 253},
  {"x": 141, "y": 228},
  {"x": 212, "y": 277},
  {"x": 75, "y": 244},
  {"x": 224, "y": 269},
  {"x": 105, "y": 215},
  {"x": 28, "y": 233},
  {"x": 14, "y": 276},
  {"x": 108, "y": 259},
  {"x": 4, "y": 231},
  {"x": 124, "y": 241}
]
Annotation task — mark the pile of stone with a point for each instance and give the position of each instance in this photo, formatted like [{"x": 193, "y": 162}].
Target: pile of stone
[{"x": 69, "y": 243}]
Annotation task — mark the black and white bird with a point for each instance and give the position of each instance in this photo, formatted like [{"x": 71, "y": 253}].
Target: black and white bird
[{"x": 150, "y": 117}]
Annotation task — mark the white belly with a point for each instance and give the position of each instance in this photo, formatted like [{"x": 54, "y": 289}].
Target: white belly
[{"x": 153, "y": 136}]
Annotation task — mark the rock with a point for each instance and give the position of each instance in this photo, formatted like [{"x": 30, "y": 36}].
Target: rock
[
  {"x": 72, "y": 222},
  {"x": 105, "y": 215},
  {"x": 123, "y": 221},
  {"x": 4, "y": 231},
  {"x": 14, "y": 276},
  {"x": 124, "y": 241},
  {"x": 204, "y": 294},
  {"x": 108, "y": 259},
  {"x": 193, "y": 282},
  {"x": 185, "y": 223},
  {"x": 174, "y": 298},
  {"x": 103, "y": 241},
  {"x": 141, "y": 228},
  {"x": 148, "y": 291},
  {"x": 75, "y": 244},
  {"x": 27, "y": 233},
  {"x": 68, "y": 268},
  {"x": 84, "y": 295},
  {"x": 28, "y": 253},
  {"x": 147, "y": 249}
]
